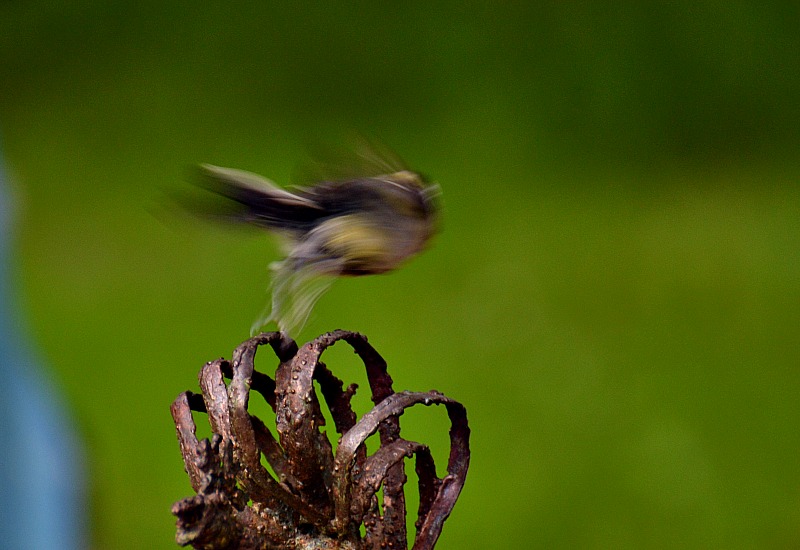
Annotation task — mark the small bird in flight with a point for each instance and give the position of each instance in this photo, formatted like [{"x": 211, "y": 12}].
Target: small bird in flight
[{"x": 341, "y": 226}]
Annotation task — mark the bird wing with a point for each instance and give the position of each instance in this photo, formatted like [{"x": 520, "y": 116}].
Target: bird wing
[{"x": 262, "y": 202}]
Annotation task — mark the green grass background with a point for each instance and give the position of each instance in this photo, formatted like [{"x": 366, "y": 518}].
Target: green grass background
[{"x": 614, "y": 296}]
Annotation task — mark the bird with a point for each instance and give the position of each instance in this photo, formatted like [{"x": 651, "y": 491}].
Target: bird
[{"x": 342, "y": 226}]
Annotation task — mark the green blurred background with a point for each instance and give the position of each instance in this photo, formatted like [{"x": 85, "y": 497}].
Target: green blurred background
[{"x": 614, "y": 296}]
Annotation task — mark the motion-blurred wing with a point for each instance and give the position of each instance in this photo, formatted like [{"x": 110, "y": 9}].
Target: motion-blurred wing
[
  {"x": 359, "y": 158},
  {"x": 260, "y": 201}
]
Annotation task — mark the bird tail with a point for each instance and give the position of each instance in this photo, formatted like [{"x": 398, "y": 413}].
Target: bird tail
[{"x": 295, "y": 291}]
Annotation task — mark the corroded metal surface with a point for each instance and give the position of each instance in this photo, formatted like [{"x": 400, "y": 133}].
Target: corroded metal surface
[{"x": 315, "y": 499}]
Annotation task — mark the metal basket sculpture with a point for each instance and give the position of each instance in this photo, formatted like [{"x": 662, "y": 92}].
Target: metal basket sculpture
[{"x": 317, "y": 499}]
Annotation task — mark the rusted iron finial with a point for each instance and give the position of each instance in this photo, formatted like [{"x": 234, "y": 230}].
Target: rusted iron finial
[{"x": 319, "y": 499}]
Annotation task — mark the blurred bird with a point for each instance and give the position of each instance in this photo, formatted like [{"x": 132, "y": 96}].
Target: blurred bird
[{"x": 360, "y": 225}]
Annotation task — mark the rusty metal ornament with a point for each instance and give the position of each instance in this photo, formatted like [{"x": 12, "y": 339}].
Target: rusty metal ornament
[{"x": 317, "y": 499}]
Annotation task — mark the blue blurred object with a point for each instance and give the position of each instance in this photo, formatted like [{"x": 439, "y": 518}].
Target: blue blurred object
[{"x": 42, "y": 496}]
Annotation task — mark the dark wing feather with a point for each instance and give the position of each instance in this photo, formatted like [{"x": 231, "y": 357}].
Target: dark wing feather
[{"x": 259, "y": 201}]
